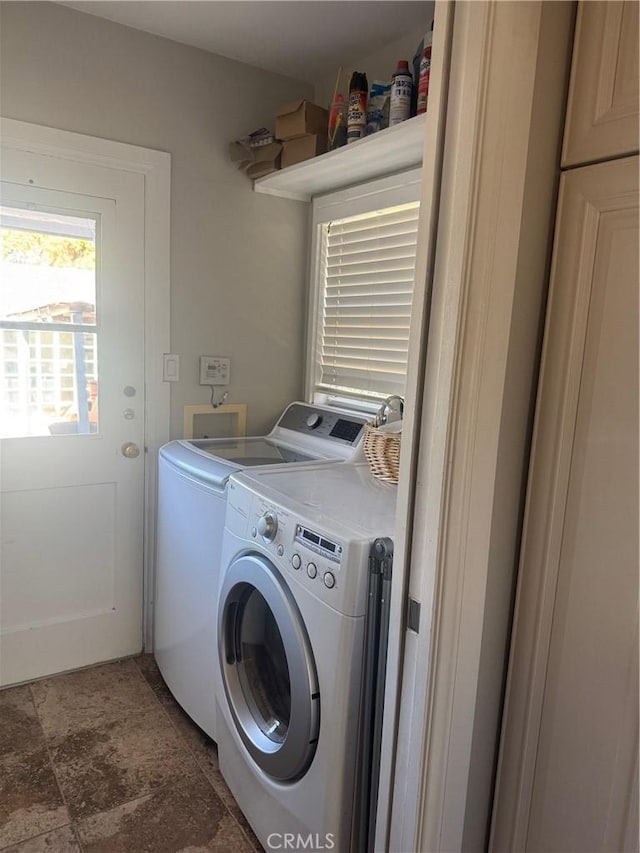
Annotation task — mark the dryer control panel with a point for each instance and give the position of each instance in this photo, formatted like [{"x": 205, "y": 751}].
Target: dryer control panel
[
  {"x": 332, "y": 567},
  {"x": 318, "y": 543}
]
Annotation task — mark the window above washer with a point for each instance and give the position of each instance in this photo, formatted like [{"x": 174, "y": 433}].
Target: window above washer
[{"x": 362, "y": 274}]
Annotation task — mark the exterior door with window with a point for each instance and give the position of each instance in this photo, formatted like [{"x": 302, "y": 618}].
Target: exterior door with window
[{"x": 72, "y": 414}]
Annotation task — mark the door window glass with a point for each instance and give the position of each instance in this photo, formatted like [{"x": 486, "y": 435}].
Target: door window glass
[
  {"x": 48, "y": 340},
  {"x": 264, "y": 668}
]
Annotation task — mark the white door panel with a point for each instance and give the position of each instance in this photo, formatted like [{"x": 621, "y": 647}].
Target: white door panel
[
  {"x": 81, "y": 515},
  {"x": 72, "y": 503},
  {"x": 568, "y": 774},
  {"x": 591, "y": 687}
]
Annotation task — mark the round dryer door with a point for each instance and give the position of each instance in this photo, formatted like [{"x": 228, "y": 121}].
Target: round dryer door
[{"x": 267, "y": 666}]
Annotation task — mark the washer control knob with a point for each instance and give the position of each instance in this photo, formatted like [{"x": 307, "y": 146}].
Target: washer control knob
[
  {"x": 312, "y": 570},
  {"x": 329, "y": 580},
  {"x": 268, "y": 526},
  {"x": 296, "y": 562},
  {"x": 280, "y": 550},
  {"x": 314, "y": 420}
]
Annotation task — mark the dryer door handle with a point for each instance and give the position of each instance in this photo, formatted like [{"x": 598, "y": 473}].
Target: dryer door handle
[{"x": 231, "y": 639}]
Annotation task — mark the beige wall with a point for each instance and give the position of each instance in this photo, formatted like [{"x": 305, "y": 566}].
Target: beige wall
[{"x": 238, "y": 259}]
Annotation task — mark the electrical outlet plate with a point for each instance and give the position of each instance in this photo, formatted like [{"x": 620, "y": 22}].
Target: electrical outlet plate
[{"x": 214, "y": 370}]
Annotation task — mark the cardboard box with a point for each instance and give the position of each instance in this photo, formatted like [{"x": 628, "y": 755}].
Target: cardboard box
[
  {"x": 300, "y": 118},
  {"x": 259, "y": 170},
  {"x": 244, "y": 154},
  {"x": 302, "y": 148}
]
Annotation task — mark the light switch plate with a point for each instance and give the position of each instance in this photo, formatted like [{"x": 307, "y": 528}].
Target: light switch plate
[
  {"x": 170, "y": 367},
  {"x": 214, "y": 370}
]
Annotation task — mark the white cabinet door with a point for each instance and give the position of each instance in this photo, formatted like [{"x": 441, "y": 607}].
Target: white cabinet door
[
  {"x": 569, "y": 755},
  {"x": 602, "y": 111},
  {"x": 72, "y": 414}
]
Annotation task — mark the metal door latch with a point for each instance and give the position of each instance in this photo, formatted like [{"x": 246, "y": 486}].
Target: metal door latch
[{"x": 413, "y": 615}]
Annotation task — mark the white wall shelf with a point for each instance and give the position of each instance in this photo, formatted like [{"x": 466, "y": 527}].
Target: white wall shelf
[{"x": 386, "y": 152}]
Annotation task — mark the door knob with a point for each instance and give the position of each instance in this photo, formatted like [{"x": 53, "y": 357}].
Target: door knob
[{"x": 130, "y": 450}]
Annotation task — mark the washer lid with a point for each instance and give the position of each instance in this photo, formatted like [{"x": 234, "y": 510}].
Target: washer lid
[
  {"x": 248, "y": 452},
  {"x": 213, "y": 460}
]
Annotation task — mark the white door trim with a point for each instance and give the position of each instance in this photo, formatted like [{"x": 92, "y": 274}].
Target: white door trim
[
  {"x": 504, "y": 119},
  {"x": 391, "y": 783},
  {"x": 156, "y": 168}
]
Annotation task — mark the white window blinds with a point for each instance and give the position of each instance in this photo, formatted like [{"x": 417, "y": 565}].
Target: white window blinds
[{"x": 367, "y": 266}]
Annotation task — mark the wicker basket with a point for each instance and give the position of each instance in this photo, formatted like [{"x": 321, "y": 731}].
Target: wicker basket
[{"x": 382, "y": 450}]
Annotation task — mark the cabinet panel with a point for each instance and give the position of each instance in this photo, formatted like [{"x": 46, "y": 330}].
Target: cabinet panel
[
  {"x": 602, "y": 112},
  {"x": 588, "y": 733},
  {"x": 568, "y": 774}
]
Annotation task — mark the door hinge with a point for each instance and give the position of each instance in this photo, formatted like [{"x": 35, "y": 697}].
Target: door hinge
[{"x": 413, "y": 615}]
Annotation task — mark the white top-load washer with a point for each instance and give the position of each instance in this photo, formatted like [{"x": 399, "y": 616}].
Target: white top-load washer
[
  {"x": 192, "y": 488},
  {"x": 291, "y": 624}
]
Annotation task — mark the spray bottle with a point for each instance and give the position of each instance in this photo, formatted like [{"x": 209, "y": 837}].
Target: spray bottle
[
  {"x": 357, "y": 114},
  {"x": 425, "y": 72},
  {"x": 401, "y": 88}
]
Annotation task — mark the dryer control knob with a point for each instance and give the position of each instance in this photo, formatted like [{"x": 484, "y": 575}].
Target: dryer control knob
[
  {"x": 312, "y": 570},
  {"x": 296, "y": 562},
  {"x": 329, "y": 580},
  {"x": 268, "y": 526}
]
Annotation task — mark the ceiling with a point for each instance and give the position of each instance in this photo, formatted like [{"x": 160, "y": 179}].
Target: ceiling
[{"x": 298, "y": 38}]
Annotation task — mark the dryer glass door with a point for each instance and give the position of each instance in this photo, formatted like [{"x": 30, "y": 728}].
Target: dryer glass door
[
  {"x": 264, "y": 673},
  {"x": 268, "y": 670}
]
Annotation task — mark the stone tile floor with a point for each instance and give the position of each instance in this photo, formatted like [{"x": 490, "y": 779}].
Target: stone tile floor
[{"x": 104, "y": 761}]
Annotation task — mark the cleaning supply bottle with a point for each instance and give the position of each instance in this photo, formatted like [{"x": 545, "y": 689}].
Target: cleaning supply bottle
[
  {"x": 337, "y": 123},
  {"x": 425, "y": 71},
  {"x": 401, "y": 88},
  {"x": 378, "y": 100},
  {"x": 357, "y": 113}
]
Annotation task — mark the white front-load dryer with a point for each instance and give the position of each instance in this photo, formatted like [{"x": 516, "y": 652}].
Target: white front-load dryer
[{"x": 291, "y": 620}]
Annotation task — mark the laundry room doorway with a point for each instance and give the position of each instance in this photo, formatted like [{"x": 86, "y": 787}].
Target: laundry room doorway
[{"x": 74, "y": 306}]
